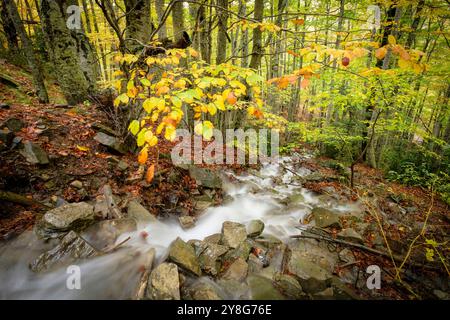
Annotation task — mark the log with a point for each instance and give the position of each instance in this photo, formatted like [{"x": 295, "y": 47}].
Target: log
[{"x": 19, "y": 199}]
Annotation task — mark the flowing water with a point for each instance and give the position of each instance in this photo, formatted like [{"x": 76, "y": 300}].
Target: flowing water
[{"x": 258, "y": 195}]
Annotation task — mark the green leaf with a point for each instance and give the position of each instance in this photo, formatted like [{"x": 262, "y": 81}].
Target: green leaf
[{"x": 146, "y": 82}]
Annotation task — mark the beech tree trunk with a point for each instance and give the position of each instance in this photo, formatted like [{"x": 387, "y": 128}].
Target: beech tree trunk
[{"x": 257, "y": 50}]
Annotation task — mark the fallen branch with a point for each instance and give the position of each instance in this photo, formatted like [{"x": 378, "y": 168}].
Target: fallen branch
[
  {"x": 362, "y": 247},
  {"x": 19, "y": 199}
]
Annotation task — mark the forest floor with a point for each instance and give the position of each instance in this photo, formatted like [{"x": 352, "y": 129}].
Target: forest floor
[{"x": 79, "y": 166}]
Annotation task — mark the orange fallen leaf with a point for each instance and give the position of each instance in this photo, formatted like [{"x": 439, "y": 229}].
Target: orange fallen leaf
[{"x": 150, "y": 173}]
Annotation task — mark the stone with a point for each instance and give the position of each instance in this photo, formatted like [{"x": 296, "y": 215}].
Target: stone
[
  {"x": 122, "y": 165},
  {"x": 14, "y": 124},
  {"x": 110, "y": 142},
  {"x": 104, "y": 129},
  {"x": 441, "y": 295},
  {"x": 346, "y": 255},
  {"x": 262, "y": 288},
  {"x": 72, "y": 216},
  {"x": 136, "y": 211},
  {"x": 350, "y": 235},
  {"x": 34, "y": 153},
  {"x": 325, "y": 218},
  {"x": 234, "y": 289},
  {"x": 4, "y": 106},
  {"x": 164, "y": 283},
  {"x": 77, "y": 184},
  {"x": 326, "y": 294},
  {"x": 214, "y": 238},
  {"x": 255, "y": 228},
  {"x": 236, "y": 271},
  {"x": 209, "y": 258},
  {"x": 289, "y": 286},
  {"x": 71, "y": 248},
  {"x": 255, "y": 265},
  {"x": 184, "y": 256},
  {"x": 205, "y": 177},
  {"x": 204, "y": 290},
  {"x": 103, "y": 234},
  {"x": 6, "y": 138},
  {"x": 233, "y": 234},
  {"x": 186, "y": 222},
  {"x": 242, "y": 251}
]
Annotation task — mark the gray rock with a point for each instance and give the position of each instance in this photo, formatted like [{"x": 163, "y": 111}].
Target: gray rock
[
  {"x": 233, "y": 234},
  {"x": 186, "y": 222},
  {"x": 204, "y": 290},
  {"x": 164, "y": 283},
  {"x": 205, "y": 177},
  {"x": 209, "y": 258},
  {"x": 236, "y": 271},
  {"x": 14, "y": 124},
  {"x": 242, "y": 251},
  {"x": 34, "y": 153},
  {"x": 311, "y": 263},
  {"x": 71, "y": 248},
  {"x": 255, "y": 228},
  {"x": 103, "y": 234},
  {"x": 184, "y": 256},
  {"x": 73, "y": 216},
  {"x": 6, "y": 138},
  {"x": 346, "y": 256},
  {"x": 441, "y": 295},
  {"x": 289, "y": 286},
  {"x": 77, "y": 184},
  {"x": 136, "y": 211},
  {"x": 263, "y": 289},
  {"x": 214, "y": 238},
  {"x": 255, "y": 265},
  {"x": 325, "y": 218},
  {"x": 351, "y": 235},
  {"x": 102, "y": 128},
  {"x": 110, "y": 142},
  {"x": 122, "y": 165},
  {"x": 4, "y": 106},
  {"x": 235, "y": 289}
]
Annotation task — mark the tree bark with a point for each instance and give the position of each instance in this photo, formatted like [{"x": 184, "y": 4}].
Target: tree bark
[
  {"x": 138, "y": 23},
  {"x": 178, "y": 20},
  {"x": 257, "y": 49},
  {"x": 70, "y": 51},
  {"x": 222, "y": 37},
  {"x": 38, "y": 79},
  {"x": 160, "y": 7},
  {"x": 9, "y": 29}
]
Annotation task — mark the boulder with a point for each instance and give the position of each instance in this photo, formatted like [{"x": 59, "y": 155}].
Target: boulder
[
  {"x": 236, "y": 271},
  {"x": 72, "y": 216},
  {"x": 136, "y": 211},
  {"x": 262, "y": 288},
  {"x": 214, "y": 238},
  {"x": 71, "y": 248},
  {"x": 14, "y": 124},
  {"x": 205, "y": 177},
  {"x": 103, "y": 234},
  {"x": 184, "y": 256},
  {"x": 204, "y": 290},
  {"x": 233, "y": 234},
  {"x": 255, "y": 228},
  {"x": 34, "y": 154},
  {"x": 325, "y": 218},
  {"x": 350, "y": 235},
  {"x": 289, "y": 286},
  {"x": 110, "y": 142},
  {"x": 255, "y": 265},
  {"x": 209, "y": 258},
  {"x": 164, "y": 283},
  {"x": 186, "y": 222},
  {"x": 6, "y": 138}
]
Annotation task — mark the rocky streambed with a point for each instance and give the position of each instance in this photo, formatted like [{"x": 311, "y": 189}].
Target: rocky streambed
[{"x": 241, "y": 249}]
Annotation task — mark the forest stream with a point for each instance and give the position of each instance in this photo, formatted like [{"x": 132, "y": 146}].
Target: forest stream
[{"x": 116, "y": 275}]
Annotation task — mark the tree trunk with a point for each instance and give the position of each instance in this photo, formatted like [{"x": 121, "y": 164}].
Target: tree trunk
[
  {"x": 222, "y": 37},
  {"x": 178, "y": 20},
  {"x": 257, "y": 50},
  {"x": 9, "y": 29},
  {"x": 138, "y": 22},
  {"x": 160, "y": 7},
  {"x": 70, "y": 52},
  {"x": 38, "y": 79}
]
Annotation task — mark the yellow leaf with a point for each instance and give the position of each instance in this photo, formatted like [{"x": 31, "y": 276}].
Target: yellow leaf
[
  {"x": 380, "y": 53},
  {"x": 198, "y": 129},
  {"x": 170, "y": 133},
  {"x": 153, "y": 141},
  {"x": 82, "y": 148},
  {"x": 391, "y": 40},
  {"x": 160, "y": 128},
  {"x": 212, "y": 109}
]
